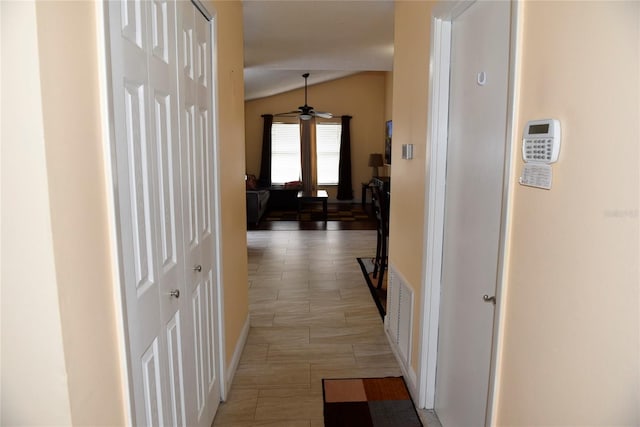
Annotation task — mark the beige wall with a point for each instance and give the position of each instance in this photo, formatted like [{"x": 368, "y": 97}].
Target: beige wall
[
  {"x": 34, "y": 388},
  {"x": 60, "y": 355},
  {"x": 361, "y": 96},
  {"x": 388, "y": 95},
  {"x": 232, "y": 188},
  {"x": 570, "y": 354},
  {"x": 570, "y": 351},
  {"x": 77, "y": 189},
  {"x": 410, "y": 101}
]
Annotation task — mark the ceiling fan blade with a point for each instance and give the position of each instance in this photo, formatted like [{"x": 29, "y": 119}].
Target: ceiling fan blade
[
  {"x": 323, "y": 115},
  {"x": 288, "y": 112}
]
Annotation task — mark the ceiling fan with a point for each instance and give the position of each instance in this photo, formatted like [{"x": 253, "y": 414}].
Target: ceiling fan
[{"x": 305, "y": 112}]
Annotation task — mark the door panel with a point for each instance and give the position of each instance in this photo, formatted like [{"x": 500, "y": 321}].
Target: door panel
[
  {"x": 199, "y": 336},
  {"x": 211, "y": 321},
  {"x": 135, "y": 174},
  {"x": 162, "y": 35},
  {"x": 206, "y": 238},
  {"x": 139, "y": 164},
  {"x": 190, "y": 238},
  {"x": 176, "y": 371},
  {"x": 473, "y": 202},
  {"x": 192, "y": 178},
  {"x": 163, "y": 106},
  {"x": 167, "y": 209},
  {"x": 197, "y": 161},
  {"x": 152, "y": 382},
  {"x": 205, "y": 166},
  {"x": 133, "y": 22}
]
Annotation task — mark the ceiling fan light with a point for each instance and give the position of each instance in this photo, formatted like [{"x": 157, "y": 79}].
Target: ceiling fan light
[{"x": 305, "y": 116}]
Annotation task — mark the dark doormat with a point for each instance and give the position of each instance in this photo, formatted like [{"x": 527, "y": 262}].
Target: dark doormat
[{"x": 364, "y": 402}]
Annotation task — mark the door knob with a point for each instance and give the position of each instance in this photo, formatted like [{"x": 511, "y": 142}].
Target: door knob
[
  {"x": 175, "y": 293},
  {"x": 487, "y": 298},
  {"x": 197, "y": 268}
]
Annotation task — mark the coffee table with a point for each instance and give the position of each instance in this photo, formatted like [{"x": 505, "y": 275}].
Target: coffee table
[{"x": 313, "y": 197}]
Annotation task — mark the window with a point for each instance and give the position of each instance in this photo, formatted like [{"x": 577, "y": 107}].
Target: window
[
  {"x": 328, "y": 152},
  {"x": 285, "y": 152}
]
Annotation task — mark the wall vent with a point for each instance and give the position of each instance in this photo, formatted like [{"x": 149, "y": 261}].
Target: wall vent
[{"x": 399, "y": 318}]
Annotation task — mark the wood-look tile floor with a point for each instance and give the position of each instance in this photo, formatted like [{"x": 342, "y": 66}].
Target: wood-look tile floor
[{"x": 312, "y": 317}]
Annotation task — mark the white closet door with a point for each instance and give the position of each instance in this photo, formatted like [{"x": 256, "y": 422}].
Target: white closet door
[
  {"x": 197, "y": 162},
  {"x": 169, "y": 308},
  {"x": 162, "y": 75}
]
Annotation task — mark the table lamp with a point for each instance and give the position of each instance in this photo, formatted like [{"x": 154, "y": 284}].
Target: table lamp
[{"x": 375, "y": 160}]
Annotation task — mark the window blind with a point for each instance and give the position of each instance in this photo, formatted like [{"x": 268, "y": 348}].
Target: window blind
[
  {"x": 285, "y": 152},
  {"x": 328, "y": 152}
]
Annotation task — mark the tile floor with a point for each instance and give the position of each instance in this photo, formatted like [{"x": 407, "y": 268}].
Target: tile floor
[{"x": 312, "y": 317}]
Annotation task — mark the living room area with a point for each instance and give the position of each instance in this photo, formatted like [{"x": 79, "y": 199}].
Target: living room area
[
  {"x": 365, "y": 98},
  {"x": 309, "y": 302}
]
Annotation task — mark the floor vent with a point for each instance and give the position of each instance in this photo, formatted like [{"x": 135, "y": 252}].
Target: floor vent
[{"x": 399, "y": 319}]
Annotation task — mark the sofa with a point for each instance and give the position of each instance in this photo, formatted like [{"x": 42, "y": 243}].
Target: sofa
[{"x": 257, "y": 199}]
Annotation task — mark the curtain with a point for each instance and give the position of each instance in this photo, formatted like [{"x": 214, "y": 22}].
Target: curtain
[
  {"x": 265, "y": 162},
  {"x": 345, "y": 188},
  {"x": 309, "y": 162}
]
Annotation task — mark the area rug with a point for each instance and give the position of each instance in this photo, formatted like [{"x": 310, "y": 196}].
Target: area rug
[
  {"x": 364, "y": 402},
  {"x": 335, "y": 212},
  {"x": 379, "y": 295}
]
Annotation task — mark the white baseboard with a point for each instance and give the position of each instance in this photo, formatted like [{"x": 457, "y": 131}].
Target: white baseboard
[{"x": 237, "y": 353}]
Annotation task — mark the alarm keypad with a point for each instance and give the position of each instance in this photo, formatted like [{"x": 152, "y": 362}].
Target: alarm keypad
[{"x": 538, "y": 149}]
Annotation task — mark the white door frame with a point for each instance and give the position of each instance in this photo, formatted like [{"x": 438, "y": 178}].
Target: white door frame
[
  {"x": 108, "y": 133},
  {"x": 437, "y": 136}
]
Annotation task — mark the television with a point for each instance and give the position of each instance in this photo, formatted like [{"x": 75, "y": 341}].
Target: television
[{"x": 387, "y": 142}]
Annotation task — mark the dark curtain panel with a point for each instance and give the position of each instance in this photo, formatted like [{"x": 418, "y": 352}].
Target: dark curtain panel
[
  {"x": 265, "y": 162},
  {"x": 345, "y": 189}
]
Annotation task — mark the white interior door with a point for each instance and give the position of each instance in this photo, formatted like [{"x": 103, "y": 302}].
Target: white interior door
[
  {"x": 145, "y": 100},
  {"x": 162, "y": 75},
  {"x": 170, "y": 308},
  {"x": 473, "y": 203},
  {"x": 197, "y": 160}
]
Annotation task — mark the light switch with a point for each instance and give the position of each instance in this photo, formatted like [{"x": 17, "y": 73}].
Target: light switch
[{"x": 407, "y": 151}]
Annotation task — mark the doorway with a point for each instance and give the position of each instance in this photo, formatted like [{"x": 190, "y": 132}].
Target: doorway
[{"x": 470, "y": 122}]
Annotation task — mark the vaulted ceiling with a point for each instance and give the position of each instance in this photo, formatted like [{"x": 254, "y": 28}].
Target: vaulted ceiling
[{"x": 327, "y": 38}]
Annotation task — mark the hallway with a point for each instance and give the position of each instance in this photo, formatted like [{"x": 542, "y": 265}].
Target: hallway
[{"x": 312, "y": 317}]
